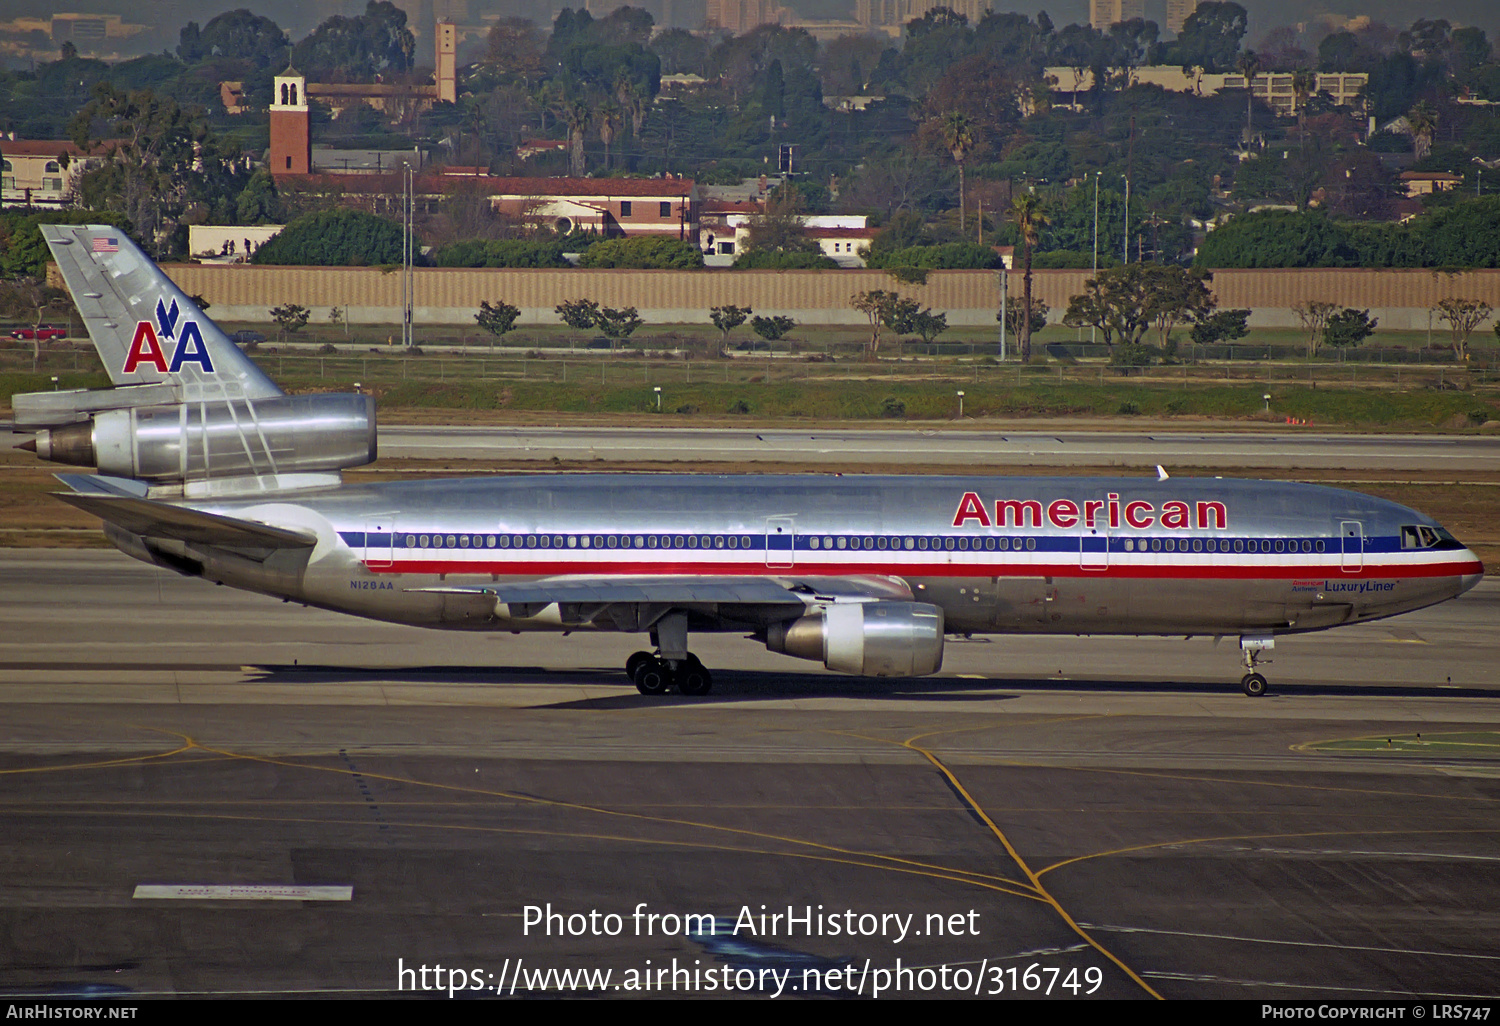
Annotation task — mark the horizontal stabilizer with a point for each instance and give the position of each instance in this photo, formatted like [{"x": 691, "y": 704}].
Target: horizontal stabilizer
[
  {"x": 103, "y": 484},
  {"x": 151, "y": 519}
]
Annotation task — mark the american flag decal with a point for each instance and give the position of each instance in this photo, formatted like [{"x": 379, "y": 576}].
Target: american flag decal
[{"x": 108, "y": 244}]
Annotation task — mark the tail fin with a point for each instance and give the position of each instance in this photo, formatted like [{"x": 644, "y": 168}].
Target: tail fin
[{"x": 147, "y": 331}]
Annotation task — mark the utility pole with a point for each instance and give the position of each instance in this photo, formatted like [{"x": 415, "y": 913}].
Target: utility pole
[{"x": 408, "y": 283}]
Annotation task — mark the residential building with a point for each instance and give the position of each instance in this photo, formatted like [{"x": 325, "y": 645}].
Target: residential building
[
  {"x": 41, "y": 172},
  {"x": 1069, "y": 85},
  {"x": 1421, "y": 183}
]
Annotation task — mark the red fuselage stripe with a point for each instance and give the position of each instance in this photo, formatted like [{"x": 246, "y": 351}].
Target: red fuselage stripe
[{"x": 1268, "y": 571}]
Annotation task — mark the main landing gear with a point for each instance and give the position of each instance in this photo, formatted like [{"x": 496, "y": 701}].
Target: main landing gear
[
  {"x": 672, "y": 665},
  {"x": 1253, "y": 683},
  {"x": 653, "y": 675}
]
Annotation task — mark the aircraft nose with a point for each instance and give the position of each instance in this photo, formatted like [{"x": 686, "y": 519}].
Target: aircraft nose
[{"x": 1468, "y": 581}]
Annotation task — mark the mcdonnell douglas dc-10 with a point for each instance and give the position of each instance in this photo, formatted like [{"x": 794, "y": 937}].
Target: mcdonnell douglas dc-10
[{"x": 205, "y": 467}]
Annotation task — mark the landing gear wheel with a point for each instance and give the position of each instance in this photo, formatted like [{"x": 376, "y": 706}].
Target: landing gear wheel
[
  {"x": 1253, "y": 684},
  {"x": 693, "y": 677},
  {"x": 652, "y": 677},
  {"x": 634, "y": 663}
]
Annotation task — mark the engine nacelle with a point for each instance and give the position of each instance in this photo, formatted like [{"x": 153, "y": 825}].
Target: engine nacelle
[
  {"x": 197, "y": 441},
  {"x": 871, "y": 639}
]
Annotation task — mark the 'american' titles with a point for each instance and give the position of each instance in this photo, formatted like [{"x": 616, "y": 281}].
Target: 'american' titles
[{"x": 1109, "y": 512}]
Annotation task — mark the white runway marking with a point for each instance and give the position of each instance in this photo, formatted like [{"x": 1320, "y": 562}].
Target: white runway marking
[{"x": 244, "y": 892}]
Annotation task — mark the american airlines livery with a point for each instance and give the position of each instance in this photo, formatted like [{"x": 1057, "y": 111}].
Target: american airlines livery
[{"x": 205, "y": 467}]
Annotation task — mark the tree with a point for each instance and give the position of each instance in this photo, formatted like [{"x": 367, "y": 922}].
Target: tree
[
  {"x": 1423, "y": 119},
  {"x": 358, "y": 49},
  {"x": 579, "y": 314},
  {"x": 1177, "y": 295},
  {"x": 726, "y": 319},
  {"x": 1220, "y": 326},
  {"x": 498, "y": 318},
  {"x": 958, "y": 136},
  {"x": 1463, "y": 316},
  {"x": 1304, "y": 85},
  {"x": 1210, "y": 38},
  {"x": 1039, "y": 311},
  {"x": 290, "y": 318},
  {"x": 1248, "y": 64},
  {"x": 576, "y": 114},
  {"x": 237, "y": 35},
  {"x": 648, "y": 252},
  {"x": 772, "y": 328},
  {"x": 1349, "y": 327},
  {"x": 608, "y": 115},
  {"x": 1027, "y": 215},
  {"x": 334, "y": 238},
  {"x": 928, "y": 325},
  {"x": 617, "y": 323},
  {"x": 782, "y": 228},
  {"x": 1314, "y": 316},
  {"x": 1118, "y": 302},
  {"x": 885, "y": 310}
]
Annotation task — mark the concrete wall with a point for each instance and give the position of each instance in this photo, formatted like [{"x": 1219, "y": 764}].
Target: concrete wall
[{"x": 1400, "y": 299}]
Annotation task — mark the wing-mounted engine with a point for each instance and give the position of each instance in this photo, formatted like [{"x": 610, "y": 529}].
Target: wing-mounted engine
[
  {"x": 206, "y": 445},
  {"x": 872, "y": 639}
]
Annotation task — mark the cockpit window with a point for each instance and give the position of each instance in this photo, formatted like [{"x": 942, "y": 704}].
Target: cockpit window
[{"x": 1417, "y": 536}]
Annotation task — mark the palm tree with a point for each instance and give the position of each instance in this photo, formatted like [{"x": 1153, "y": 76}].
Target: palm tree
[
  {"x": 958, "y": 135},
  {"x": 1304, "y": 85},
  {"x": 1423, "y": 119},
  {"x": 1027, "y": 215},
  {"x": 608, "y": 115},
  {"x": 632, "y": 101},
  {"x": 1248, "y": 65},
  {"x": 576, "y": 113}
]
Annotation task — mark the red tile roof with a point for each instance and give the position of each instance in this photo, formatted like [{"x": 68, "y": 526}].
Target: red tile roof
[{"x": 491, "y": 185}]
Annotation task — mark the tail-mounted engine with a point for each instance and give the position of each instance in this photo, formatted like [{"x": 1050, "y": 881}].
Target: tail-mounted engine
[
  {"x": 872, "y": 639},
  {"x": 186, "y": 442}
]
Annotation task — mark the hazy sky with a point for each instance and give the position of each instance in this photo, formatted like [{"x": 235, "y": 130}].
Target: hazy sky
[{"x": 300, "y": 16}]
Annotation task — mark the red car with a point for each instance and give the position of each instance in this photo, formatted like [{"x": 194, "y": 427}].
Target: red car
[{"x": 45, "y": 332}]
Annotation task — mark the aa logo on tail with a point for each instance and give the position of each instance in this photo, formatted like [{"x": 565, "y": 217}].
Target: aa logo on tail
[{"x": 146, "y": 348}]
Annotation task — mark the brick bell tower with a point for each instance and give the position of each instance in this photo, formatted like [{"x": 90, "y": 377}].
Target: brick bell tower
[{"x": 291, "y": 134}]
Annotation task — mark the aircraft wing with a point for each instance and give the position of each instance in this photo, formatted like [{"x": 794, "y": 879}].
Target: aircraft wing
[
  {"x": 151, "y": 519},
  {"x": 793, "y": 592}
]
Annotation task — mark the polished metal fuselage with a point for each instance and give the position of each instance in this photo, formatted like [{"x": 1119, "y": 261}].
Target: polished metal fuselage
[{"x": 997, "y": 554}]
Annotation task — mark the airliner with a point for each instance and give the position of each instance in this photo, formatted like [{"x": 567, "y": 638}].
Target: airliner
[{"x": 202, "y": 465}]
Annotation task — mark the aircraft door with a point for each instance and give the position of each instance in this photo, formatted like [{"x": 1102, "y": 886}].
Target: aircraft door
[
  {"x": 1093, "y": 549},
  {"x": 380, "y": 541},
  {"x": 1352, "y": 535},
  {"x": 781, "y": 542}
]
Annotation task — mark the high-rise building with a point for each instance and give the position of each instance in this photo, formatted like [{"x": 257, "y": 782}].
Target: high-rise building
[
  {"x": 1104, "y": 13},
  {"x": 739, "y": 16},
  {"x": 878, "y": 13},
  {"x": 1178, "y": 12}
]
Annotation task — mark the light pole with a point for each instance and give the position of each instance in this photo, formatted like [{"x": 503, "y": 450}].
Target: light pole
[
  {"x": 1267, "y": 398},
  {"x": 657, "y": 390},
  {"x": 1004, "y": 306},
  {"x": 1096, "y": 242},
  {"x": 960, "y": 406}
]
